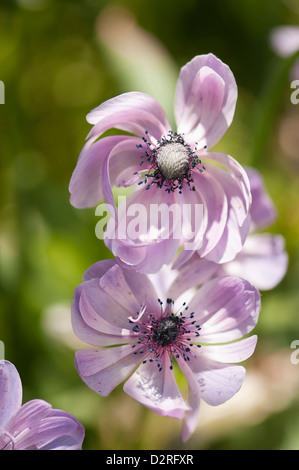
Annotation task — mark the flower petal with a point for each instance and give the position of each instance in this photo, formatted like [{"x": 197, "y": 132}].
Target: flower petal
[
  {"x": 97, "y": 316},
  {"x": 191, "y": 418},
  {"x": 226, "y": 308},
  {"x": 139, "y": 238},
  {"x": 10, "y": 392},
  {"x": 217, "y": 382},
  {"x": 205, "y": 100},
  {"x": 262, "y": 211},
  {"x": 210, "y": 193},
  {"x": 194, "y": 272},
  {"x": 157, "y": 389},
  {"x": 263, "y": 261},
  {"x": 103, "y": 369},
  {"x": 133, "y": 112},
  {"x": 237, "y": 351},
  {"x": 37, "y": 426},
  {"x": 86, "y": 185}
]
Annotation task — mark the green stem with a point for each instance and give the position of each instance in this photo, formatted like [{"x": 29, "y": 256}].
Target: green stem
[{"x": 268, "y": 107}]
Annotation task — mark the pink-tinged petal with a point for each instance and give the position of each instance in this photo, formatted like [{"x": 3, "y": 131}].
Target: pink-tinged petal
[
  {"x": 191, "y": 417},
  {"x": 234, "y": 180},
  {"x": 144, "y": 259},
  {"x": 103, "y": 369},
  {"x": 97, "y": 317},
  {"x": 86, "y": 186},
  {"x": 139, "y": 284},
  {"x": 194, "y": 272},
  {"x": 262, "y": 211},
  {"x": 97, "y": 270},
  {"x": 133, "y": 112},
  {"x": 231, "y": 242},
  {"x": 226, "y": 308},
  {"x": 237, "y": 351},
  {"x": 37, "y": 426},
  {"x": 263, "y": 261},
  {"x": 157, "y": 390},
  {"x": 10, "y": 391},
  {"x": 217, "y": 382},
  {"x": 215, "y": 210},
  {"x": 115, "y": 285},
  {"x": 122, "y": 167},
  {"x": 139, "y": 238},
  {"x": 205, "y": 100},
  {"x": 285, "y": 40}
]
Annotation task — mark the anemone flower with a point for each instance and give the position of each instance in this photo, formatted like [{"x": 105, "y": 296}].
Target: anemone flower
[
  {"x": 168, "y": 168},
  {"x": 142, "y": 338},
  {"x": 34, "y": 425}
]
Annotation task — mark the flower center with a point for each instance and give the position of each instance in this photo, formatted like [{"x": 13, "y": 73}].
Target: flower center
[
  {"x": 170, "y": 333},
  {"x": 173, "y": 161},
  {"x": 166, "y": 331}
]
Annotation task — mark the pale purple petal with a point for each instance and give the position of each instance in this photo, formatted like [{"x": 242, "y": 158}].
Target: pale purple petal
[
  {"x": 97, "y": 270},
  {"x": 234, "y": 180},
  {"x": 97, "y": 317},
  {"x": 103, "y": 369},
  {"x": 217, "y": 382},
  {"x": 156, "y": 389},
  {"x": 231, "y": 242},
  {"x": 36, "y": 426},
  {"x": 205, "y": 100},
  {"x": 137, "y": 238},
  {"x": 263, "y": 261},
  {"x": 236, "y": 187},
  {"x": 262, "y": 211},
  {"x": 194, "y": 395},
  {"x": 194, "y": 272},
  {"x": 237, "y": 351},
  {"x": 133, "y": 112},
  {"x": 122, "y": 167},
  {"x": 10, "y": 391},
  {"x": 86, "y": 187},
  {"x": 226, "y": 308},
  {"x": 139, "y": 284},
  {"x": 210, "y": 195}
]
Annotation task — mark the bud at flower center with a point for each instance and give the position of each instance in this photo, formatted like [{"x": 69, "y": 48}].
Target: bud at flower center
[{"x": 173, "y": 160}]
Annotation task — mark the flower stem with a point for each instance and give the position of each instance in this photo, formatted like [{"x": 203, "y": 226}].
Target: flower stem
[{"x": 268, "y": 108}]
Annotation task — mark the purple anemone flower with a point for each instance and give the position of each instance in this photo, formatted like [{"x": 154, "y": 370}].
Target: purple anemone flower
[
  {"x": 168, "y": 168},
  {"x": 149, "y": 335},
  {"x": 263, "y": 260},
  {"x": 34, "y": 425}
]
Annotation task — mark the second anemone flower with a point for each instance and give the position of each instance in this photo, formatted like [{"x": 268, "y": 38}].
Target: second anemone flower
[
  {"x": 170, "y": 168},
  {"x": 148, "y": 334}
]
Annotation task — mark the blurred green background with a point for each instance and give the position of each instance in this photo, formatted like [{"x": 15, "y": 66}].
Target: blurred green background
[{"x": 60, "y": 59}]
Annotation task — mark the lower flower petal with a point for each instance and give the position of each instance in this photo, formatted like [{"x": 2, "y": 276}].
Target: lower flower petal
[
  {"x": 103, "y": 369},
  {"x": 37, "y": 426},
  {"x": 10, "y": 391},
  {"x": 157, "y": 389}
]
